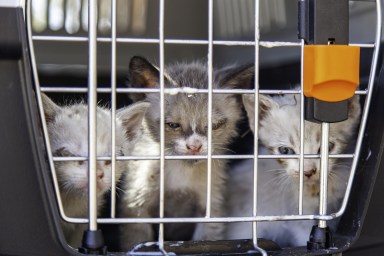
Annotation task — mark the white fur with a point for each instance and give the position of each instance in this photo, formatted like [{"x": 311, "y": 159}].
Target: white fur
[
  {"x": 142, "y": 192},
  {"x": 68, "y": 133},
  {"x": 278, "y": 183}
]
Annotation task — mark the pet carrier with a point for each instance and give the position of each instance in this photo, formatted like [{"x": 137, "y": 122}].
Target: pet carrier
[{"x": 79, "y": 49}]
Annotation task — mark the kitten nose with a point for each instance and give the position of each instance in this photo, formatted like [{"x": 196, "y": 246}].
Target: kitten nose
[
  {"x": 309, "y": 173},
  {"x": 100, "y": 174},
  {"x": 194, "y": 148}
]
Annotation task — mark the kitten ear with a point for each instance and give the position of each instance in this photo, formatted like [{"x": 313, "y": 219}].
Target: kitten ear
[
  {"x": 266, "y": 104},
  {"x": 142, "y": 74},
  {"x": 132, "y": 117},
  {"x": 240, "y": 78},
  {"x": 249, "y": 105},
  {"x": 50, "y": 108}
]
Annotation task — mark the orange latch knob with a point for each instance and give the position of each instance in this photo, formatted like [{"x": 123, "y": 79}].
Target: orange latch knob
[{"x": 331, "y": 72}]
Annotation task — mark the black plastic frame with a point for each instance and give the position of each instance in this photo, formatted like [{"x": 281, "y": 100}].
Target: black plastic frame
[{"x": 28, "y": 216}]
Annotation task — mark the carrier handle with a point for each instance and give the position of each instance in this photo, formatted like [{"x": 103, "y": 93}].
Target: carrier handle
[
  {"x": 331, "y": 66},
  {"x": 331, "y": 72}
]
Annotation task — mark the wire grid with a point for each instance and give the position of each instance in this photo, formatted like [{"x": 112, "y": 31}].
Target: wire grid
[{"x": 92, "y": 91}]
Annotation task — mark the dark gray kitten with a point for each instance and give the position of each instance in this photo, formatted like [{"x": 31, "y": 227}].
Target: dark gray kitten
[{"x": 186, "y": 125}]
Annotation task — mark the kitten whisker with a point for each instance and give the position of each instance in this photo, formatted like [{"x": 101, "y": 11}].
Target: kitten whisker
[
  {"x": 342, "y": 165},
  {"x": 275, "y": 170},
  {"x": 225, "y": 149},
  {"x": 118, "y": 189},
  {"x": 278, "y": 179}
]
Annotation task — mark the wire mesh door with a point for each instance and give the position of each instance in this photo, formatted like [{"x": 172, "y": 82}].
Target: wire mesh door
[{"x": 257, "y": 100}]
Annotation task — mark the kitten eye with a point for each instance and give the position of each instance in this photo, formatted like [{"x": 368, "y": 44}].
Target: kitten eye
[
  {"x": 331, "y": 146},
  {"x": 62, "y": 152},
  {"x": 107, "y": 162},
  {"x": 286, "y": 151},
  {"x": 173, "y": 126},
  {"x": 219, "y": 124},
  {"x": 80, "y": 162}
]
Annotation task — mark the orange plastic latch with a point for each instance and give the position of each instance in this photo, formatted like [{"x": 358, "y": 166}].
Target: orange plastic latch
[{"x": 331, "y": 72}]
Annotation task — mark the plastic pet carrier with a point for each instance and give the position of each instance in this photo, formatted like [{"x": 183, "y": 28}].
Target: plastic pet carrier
[{"x": 320, "y": 53}]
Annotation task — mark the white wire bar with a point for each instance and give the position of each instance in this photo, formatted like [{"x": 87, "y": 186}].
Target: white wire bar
[
  {"x": 113, "y": 107},
  {"x": 324, "y": 173},
  {"x": 301, "y": 159},
  {"x": 162, "y": 121},
  {"x": 205, "y": 220},
  {"x": 210, "y": 88},
  {"x": 364, "y": 118},
  {"x": 256, "y": 132},
  {"x": 202, "y": 157},
  {"x": 256, "y": 122},
  {"x": 199, "y": 157},
  {"x": 173, "y": 91},
  {"x": 42, "y": 116},
  {"x": 92, "y": 114},
  {"x": 266, "y": 44}
]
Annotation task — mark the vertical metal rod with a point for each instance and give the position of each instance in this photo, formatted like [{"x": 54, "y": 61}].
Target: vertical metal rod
[
  {"x": 210, "y": 87},
  {"x": 162, "y": 120},
  {"x": 113, "y": 107},
  {"x": 41, "y": 110},
  {"x": 256, "y": 125},
  {"x": 324, "y": 173},
  {"x": 92, "y": 104},
  {"x": 364, "y": 117},
  {"x": 301, "y": 160}
]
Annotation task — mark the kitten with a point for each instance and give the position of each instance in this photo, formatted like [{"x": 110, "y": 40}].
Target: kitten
[
  {"x": 278, "y": 180},
  {"x": 68, "y": 133},
  {"x": 185, "y": 134}
]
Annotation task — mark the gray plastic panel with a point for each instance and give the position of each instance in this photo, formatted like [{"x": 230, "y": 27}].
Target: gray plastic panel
[{"x": 28, "y": 222}]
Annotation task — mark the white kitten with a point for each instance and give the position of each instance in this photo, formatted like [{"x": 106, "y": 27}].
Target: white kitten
[
  {"x": 185, "y": 134},
  {"x": 278, "y": 181},
  {"x": 68, "y": 133}
]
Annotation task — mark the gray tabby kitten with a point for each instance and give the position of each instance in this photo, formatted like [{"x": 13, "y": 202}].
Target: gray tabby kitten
[
  {"x": 279, "y": 133},
  {"x": 68, "y": 133},
  {"x": 186, "y": 125}
]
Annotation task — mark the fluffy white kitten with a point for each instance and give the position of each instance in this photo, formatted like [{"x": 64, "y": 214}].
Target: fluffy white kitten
[
  {"x": 278, "y": 180},
  {"x": 68, "y": 133}
]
